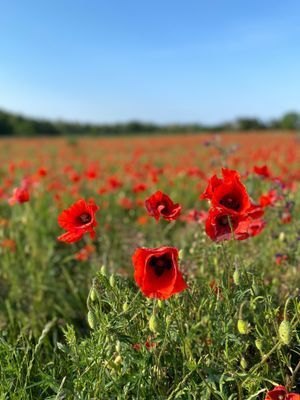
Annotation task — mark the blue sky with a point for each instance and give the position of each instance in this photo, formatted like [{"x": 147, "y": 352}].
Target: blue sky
[{"x": 160, "y": 60}]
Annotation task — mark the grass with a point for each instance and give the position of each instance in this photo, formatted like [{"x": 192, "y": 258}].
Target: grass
[{"x": 74, "y": 329}]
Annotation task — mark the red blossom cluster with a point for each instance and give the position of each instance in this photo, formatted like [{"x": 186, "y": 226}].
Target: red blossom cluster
[{"x": 232, "y": 213}]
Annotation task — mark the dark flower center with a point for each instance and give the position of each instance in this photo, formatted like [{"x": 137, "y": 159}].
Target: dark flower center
[
  {"x": 164, "y": 208},
  {"x": 84, "y": 218},
  {"x": 161, "y": 263},
  {"x": 226, "y": 221},
  {"x": 231, "y": 202},
  {"x": 223, "y": 220}
]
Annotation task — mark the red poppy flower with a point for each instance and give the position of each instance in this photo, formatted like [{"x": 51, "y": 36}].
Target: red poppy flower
[
  {"x": 157, "y": 273},
  {"x": 213, "y": 183},
  {"x": 224, "y": 225},
  {"x": 160, "y": 205},
  {"x": 280, "y": 393},
  {"x": 256, "y": 226},
  {"x": 42, "y": 172},
  {"x": 139, "y": 187},
  {"x": 286, "y": 217},
  {"x": 279, "y": 258},
  {"x": 228, "y": 192},
  {"x": 262, "y": 171},
  {"x": 126, "y": 203},
  {"x": 78, "y": 220},
  {"x": 85, "y": 252},
  {"x": 9, "y": 244},
  {"x": 269, "y": 199},
  {"x": 20, "y": 195},
  {"x": 114, "y": 183}
]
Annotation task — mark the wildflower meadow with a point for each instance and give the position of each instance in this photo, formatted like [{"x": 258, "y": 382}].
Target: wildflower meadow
[{"x": 156, "y": 268}]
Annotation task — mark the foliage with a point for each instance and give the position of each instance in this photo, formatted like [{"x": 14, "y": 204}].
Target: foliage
[
  {"x": 73, "y": 329},
  {"x": 18, "y": 125}
]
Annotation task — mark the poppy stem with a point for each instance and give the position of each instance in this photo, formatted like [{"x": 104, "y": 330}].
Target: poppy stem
[{"x": 227, "y": 263}]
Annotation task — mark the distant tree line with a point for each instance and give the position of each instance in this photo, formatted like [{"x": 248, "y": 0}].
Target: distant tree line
[{"x": 18, "y": 125}]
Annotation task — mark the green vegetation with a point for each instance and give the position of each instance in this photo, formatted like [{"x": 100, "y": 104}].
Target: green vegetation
[
  {"x": 73, "y": 329},
  {"x": 17, "y": 125}
]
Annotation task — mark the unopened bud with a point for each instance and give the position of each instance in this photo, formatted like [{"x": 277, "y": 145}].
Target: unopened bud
[
  {"x": 93, "y": 293},
  {"x": 255, "y": 288},
  {"x": 118, "y": 360},
  {"x": 243, "y": 327},
  {"x": 118, "y": 346},
  {"x": 236, "y": 277},
  {"x": 243, "y": 363},
  {"x": 91, "y": 318},
  {"x": 125, "y": 306},
  {"x": 153, "y": 323},
  {"x": 112, "y": 280},
  {"x": 103, "y": 270},
  {"x": 258, "y": 344},
  {"x": 285, "y": 332},
  {"x": 281, "y": 236}
]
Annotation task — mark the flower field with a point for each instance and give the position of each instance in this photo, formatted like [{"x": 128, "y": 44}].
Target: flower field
[{"x": 163, "y": 267}]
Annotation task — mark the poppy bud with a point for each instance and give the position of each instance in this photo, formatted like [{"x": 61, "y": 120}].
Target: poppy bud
[
  {"x": 91, "y": 318},
  {"x": 153, "y": 323},
  {"x": 180, "y": 254},
  {"x": 236, "y": 276},
  {"x": 255, "y": 288},
  {"x": 112, "y": 280},
  {"x": 118, "y": 346},
  {"x": 125, "y": 306},
  {"x": 103, "y": 270},
  {"x": 93, "y": 293},
  {"x": 243, "y": 327},
  {"x": 159, "y": 303},
  {"x": 118, "y": 360},
  {"x": 258, "y": 344},
  {"x": 285, "y": 332},
  {"x": 243, "y": 363},
  {"x": 281, "y": 236}
]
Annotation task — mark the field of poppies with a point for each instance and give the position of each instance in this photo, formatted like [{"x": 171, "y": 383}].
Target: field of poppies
[{"x": 160, "y": 268}]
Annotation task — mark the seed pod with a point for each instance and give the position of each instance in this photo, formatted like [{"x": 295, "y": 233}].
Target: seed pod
[
  {"x": 243, "y": 363},
  {"x": 125, "y": 306},
  {"x": 236, "y": 277},
  {"x": 91, "y": 318},
  {"x": 243, "y": 327},
  {"x": 112, "y": 280},
  {"x": 153, "y": 323},
  {"x": 285, "y": 332}
]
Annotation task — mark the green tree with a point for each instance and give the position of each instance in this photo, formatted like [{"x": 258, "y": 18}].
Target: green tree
[{"x": 290, "y": 120}]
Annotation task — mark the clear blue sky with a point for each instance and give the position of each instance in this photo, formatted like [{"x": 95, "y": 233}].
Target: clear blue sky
[{"x": 151, "y": 60}]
